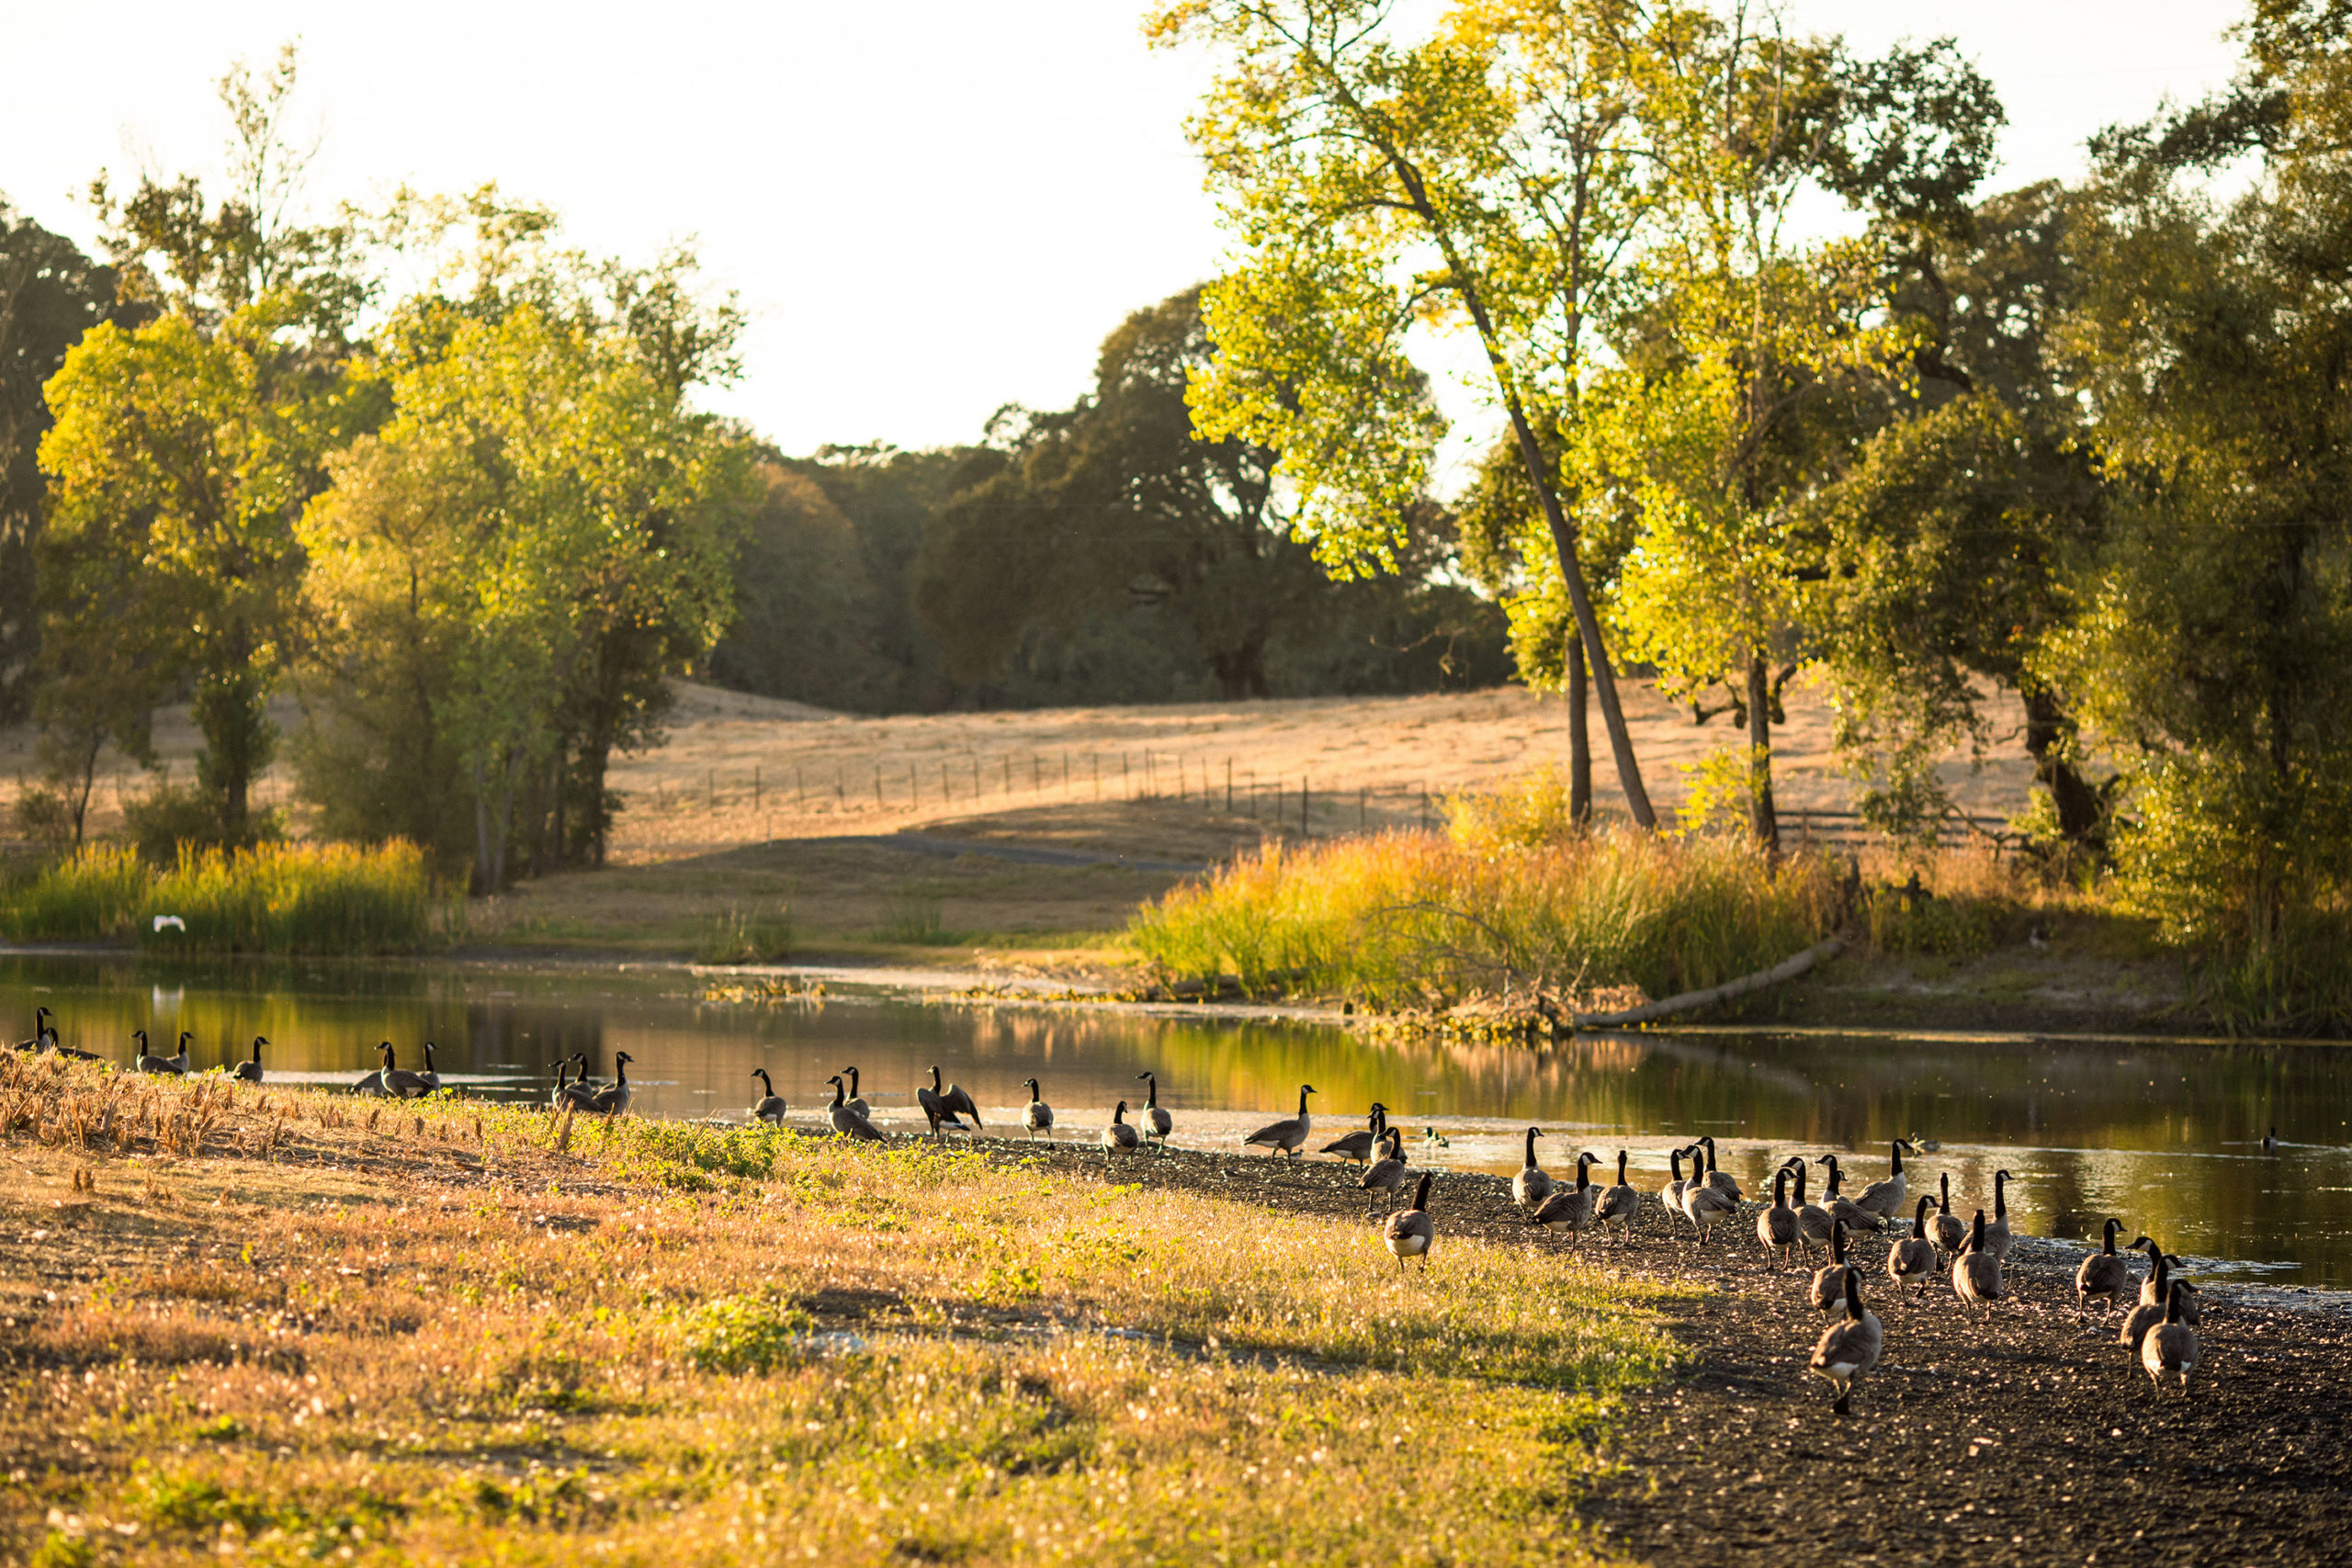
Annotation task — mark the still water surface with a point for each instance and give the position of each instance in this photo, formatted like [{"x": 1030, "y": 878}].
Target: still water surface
[{"x": 2166, "y": 1137}]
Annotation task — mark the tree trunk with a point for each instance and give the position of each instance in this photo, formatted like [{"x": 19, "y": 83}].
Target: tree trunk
[
  {"x": 1762, "y": 818},
  {"x": 1580, "y": 740},
  {"x": 1240, "y": 671},
  {"x": 485, "y": 876},
  {"x": 2048, "y": 730},
  {"x": 232, "y": 710},
  {"x": 1604, "y": 678}
]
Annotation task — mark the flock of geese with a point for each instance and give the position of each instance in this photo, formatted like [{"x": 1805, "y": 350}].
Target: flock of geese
[{"x": 2159, "y": 1331}]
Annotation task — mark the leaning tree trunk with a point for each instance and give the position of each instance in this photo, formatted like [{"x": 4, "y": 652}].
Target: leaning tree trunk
[
  {"x": 1762, "y": 818},
  {"x": 1579, "y": 740}
]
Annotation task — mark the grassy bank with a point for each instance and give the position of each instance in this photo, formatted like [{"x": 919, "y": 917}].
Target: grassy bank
[
  {"x": 287, "y": 898},
  {"x": 284, "y": 1325},
  {"x": 1410, "y": 918}
]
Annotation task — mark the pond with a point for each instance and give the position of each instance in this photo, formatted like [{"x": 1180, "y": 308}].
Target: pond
[{"x": 2166, "y": 1137}]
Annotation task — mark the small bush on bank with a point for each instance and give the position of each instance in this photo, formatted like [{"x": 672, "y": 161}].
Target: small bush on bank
[{"x": 741, "y": 936}]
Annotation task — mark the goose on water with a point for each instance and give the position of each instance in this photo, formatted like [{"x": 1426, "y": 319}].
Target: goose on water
[
  {"x": 846, "y": 1118},
  {"x": 2271, "y": 1142},
  {"x": 1036, "y": 1116},
  {"x": 1284, "y": 1137},
  {"x": 1619, "y": 1205},
  {"x": 1850, "y": 1347},
  {"x": 250, "y": 1071},
  {"x": 1913, "y": 1256},
  {"x": 1118, "y": 1139},
  {"x": 1533, "y": 1184},
  {"x": 1358, "y": 1146},
  {"x": 1410, "y": 1232},
  {"x": 1155, "y": 1122},
  {"x": 2104, "y": 1272},
  {"x": 770, "y": 1108}
]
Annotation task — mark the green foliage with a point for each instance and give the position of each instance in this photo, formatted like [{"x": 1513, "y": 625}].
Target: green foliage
[
  {"x": 809, "y": 623},
  {"x": 1412, "y": 919},
  {"x": 170, "y": 814},
  {"x": 740, "y": 936},
  {"x": 744, "y": 1333},
  {"x": 273, "y": 898},
  {"x": 1951, "y": 927}
]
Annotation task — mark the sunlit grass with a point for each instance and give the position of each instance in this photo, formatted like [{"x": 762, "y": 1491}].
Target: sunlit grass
[
  {"x": 292, "y": 898},
  {"x": 423, "y": 1332}
]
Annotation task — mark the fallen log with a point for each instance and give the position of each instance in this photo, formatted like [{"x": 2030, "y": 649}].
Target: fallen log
[{"x": 1787, "y": 969}]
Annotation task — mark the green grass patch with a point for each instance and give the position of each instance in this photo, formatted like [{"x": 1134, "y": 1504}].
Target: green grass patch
[{"x": 275, "y": 897}]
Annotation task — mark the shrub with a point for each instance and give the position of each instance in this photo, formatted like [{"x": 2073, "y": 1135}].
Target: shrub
[
  {"x": 744, "y": 1333},
  {"x": 736, "y": 937},
  {"x": 171, "y": 815},
  {"x": 915, "y": 918},
  {"x": 96, "y": 893}
]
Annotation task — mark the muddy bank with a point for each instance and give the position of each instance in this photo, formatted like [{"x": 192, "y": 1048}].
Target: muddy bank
[{"x": 2021, "y": 1437}]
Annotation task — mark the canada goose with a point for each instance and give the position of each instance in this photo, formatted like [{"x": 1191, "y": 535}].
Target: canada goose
[
  {"x": 1387, "y": 1173},
  {"x": 1827, "y": 1290},
  {"x": 396, "y": 1081},
  {"x": 249, "y": 1072},
  {"x": 1812, "y": 1221},
  {"x": 372, "y": 1084},
  {"x": 1619, "y": 1205},
  {"x": 1717, "y": 1180},
  {"x": 1119, "y": 1138},
  {"x": 613, "y": 1098},
  {"x": 1950, "y": 1232},
  {"x": 1156, "y": 1123},
  {"x": 1436, "y": 1139},
  {"x": 1924, "y": 1145},
  {"x": 1705, "y": 1205},
  {"x": 2104, "y": 1272},
  {"x": 1533, "y": 1184},
  {"x": 1670, "y": 1195},
  {"x": 2171, "y": 1346},
  {"x": 1284, "y": 1137},
  {"x": 2271, "y": 1142},
  {"x": 936, "y": 1110},
  {"x": 1776, "y": 1227},
  {"x": 771, "y": 1106},
  {"x": 562, "y": 1072},
  {"x": 1977, "y": 1272},
  {"x": 1358, "y": 1146},
  {"x": 432, "y": 1075},
  {"x": 1037, "y": 1116},
  {"x": 857, "y": 1101},
  {"x": 1913, "y": 1256},
  {"x": 1885, "y": 1198},
  {"x": 582, "y": 1080},
  {"x": 2159, "y": 1276},
  {"x": 1841, "y": 1207},
  {"x": 1997, "y": 1234},
  {"x": 1569, "y": 1208},
  {"x": 846, "y": 1120},
  {"x": 1851, "y": 1346},
  {"x": 578, "y": 1093},
  {"x": 1410, "y": 1233},
  {"x": 956, "y": 1099},
  {"x": 41, "y": 1040},
  {"x": 175, "y": 1066}
]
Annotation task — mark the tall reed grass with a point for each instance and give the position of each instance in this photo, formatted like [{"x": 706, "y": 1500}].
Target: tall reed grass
[
  {"x": 290, "y": 898},
  {"x": 1408, "y": 918}
]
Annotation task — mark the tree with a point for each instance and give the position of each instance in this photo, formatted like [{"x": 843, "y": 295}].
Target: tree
[
  {"x": 807, "y": 623},
  {"x": 1486, "y": 179},
  {"x": 2214, "y": 342},
  {"x": 1751, "y": 360}
]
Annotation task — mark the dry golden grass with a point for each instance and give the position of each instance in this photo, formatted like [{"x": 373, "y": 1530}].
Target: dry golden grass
[{"x": 285, "y": 1326}]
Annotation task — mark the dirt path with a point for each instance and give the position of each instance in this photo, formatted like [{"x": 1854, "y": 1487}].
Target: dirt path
[{"x": 2021, "y": 1439}]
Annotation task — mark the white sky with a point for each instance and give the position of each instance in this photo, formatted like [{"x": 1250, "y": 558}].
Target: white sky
[{"x": 930, "y": 209}]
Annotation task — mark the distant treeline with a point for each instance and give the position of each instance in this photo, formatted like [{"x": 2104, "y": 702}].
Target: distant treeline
[{"x": 1095, "y": 554}]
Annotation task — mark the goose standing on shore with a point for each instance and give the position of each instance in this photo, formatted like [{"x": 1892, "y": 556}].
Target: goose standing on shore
[
  {"x": 1706, "y": 1205},
  {"x": 2103, "y": 1273},
  {"x": 146, "y": 1062},
  {"x": 1358, "y": 1146},
  {"x": 395, "y": 1080},
  {"x": 613, "y": 1098},
  {"x": 1851, "y": 1346},
  {"x": 770, "y": 1109},
  {"x": 1569, "y": 1208},
  {"x": 1812, "y": 1221},
  {"x": 1997, "y": 1234},
  {"x": 857, "y": 1101},
  {"x": 43, "y": 1039},
  {"x": 938, "y": 1110},
  {"x": 431, "y": 1077},
  {"x": 1841, "y": 1207},
  {"x": 1155, "y": 1122},
  {"x": 1718, "y": 1180},
  {"x": 1533, "y": 1184},
  {"x": 1885, "y": 1199},
  {"x": 1411, "y": 1233},
  {"x": 1827, "y": 1292},
  {"x": 579, "y": 1094},
  {"x": 1776, "y": 1227},
  {"x": 846, "y": 1118},
  {"x": 1036, "y": 1116},
  {"x": 1284, "y": 1137},
  {"x": 1913, "y": 1256},
  {"x": 249, "y": 1072},
  {"x": 1670, "y": 1195},
  {"x": 1386, "y": 1176},
  {"x": 2171, "y": 1346},
  {"x": 1619, "y": 1205},
  {"x": 1951, "y": 1231},
  {"x": 1977, "y": 1272},
  {"x": 1118, "y": 1139}
]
